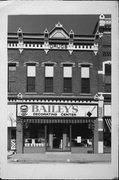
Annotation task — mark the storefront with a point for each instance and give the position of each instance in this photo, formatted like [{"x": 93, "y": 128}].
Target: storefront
[
  {"x": 56, "y": 127},
  {"x": 11, "y": 128},
  {"x": 107, "y": 128}
]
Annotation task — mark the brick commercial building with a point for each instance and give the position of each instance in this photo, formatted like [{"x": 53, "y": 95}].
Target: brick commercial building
[{"x": 59, "y": 90}]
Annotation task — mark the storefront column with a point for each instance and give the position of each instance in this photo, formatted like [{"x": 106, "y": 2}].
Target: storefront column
[
  {"x": 64, "y": 138},
  {"x": 95, "y": 145},
  {"x": 45, "y": 136},
  {"x": 19, "y": 135},
  {"x": 51, "y": 137},
  {"x": 9, "y": 138},
  {"x": 100, "y": 123},
  {"x": 70, "y": 132}
]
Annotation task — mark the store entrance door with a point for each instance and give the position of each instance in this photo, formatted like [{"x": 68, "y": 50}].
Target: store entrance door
[{"x": 58, "y": 137}]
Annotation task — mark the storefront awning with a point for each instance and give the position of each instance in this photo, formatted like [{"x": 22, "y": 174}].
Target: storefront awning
[
  {"x": 108, "y": 122},
  {"x": 53, "y": 121}
]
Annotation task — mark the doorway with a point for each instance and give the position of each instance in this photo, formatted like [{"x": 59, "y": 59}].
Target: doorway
[{"x": 58, "y": 137}]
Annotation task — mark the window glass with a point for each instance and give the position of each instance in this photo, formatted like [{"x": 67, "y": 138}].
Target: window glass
[
  {"x": 82, "y": 136},
  {"x": 12, "y": 68},
  {"x": 48, "y": 84},
  {"x": 107, "y": 87},
  {"x": 85, "y": 72},
  {"x": 85, "y": 85},
  {"x": 67, "y": 71},
  {"x": 11, "y": 77},
  {"x": 49, "y": 71},
  {"x": 34, "y": 135},
  {"x": 11, "y": 86},
  {"x": 67, "y": 85},
  {"x": 108, "y": 69},
  {"x": 31, "y": 84},
  {"x": 31, "y": 71}
]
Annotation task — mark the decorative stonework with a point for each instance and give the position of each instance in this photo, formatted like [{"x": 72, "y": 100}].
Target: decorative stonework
[
  {"x": 31, "y": 62},
  {"x": 13, "y": 62},
  {"x": 57, "y": 39},
  {"x": 85, "y": 63},
  {"x": 48, "y": 62},
  {"x": 67, "y": 63}
]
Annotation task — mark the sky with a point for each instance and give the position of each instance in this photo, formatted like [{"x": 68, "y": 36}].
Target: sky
[{"x": 80, "y": 24}]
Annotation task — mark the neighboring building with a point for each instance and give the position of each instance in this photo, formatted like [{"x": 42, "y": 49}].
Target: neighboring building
[{"x": 59, "y": 90}]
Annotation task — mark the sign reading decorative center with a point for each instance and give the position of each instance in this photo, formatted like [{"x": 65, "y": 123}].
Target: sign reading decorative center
[{"x": 55, "y": 110}]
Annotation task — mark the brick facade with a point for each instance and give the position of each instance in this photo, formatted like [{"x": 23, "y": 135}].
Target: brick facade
[{"x": 58, "y": 48}]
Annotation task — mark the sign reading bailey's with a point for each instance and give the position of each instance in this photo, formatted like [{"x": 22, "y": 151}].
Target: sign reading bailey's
[{"x": 55, "y": 110}]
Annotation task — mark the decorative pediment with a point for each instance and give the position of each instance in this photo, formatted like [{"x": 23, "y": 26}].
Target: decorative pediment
[{"x": 59, "y": 32}]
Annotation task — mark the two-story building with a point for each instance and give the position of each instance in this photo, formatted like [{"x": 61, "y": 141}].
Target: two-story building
[{"x": 59, "y": 90}]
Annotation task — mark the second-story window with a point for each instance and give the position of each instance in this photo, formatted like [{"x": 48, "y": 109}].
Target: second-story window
[
  {"x": 107, "y": 69},
  {"x": 31, "y": 74},
  {"x": 49, "y": 74},
  {"x": 11, "y": 77},
  {"x": 108, "y": 77},
  {"x": 67, "y": 75},
  {"x": 85, "y": 79}
]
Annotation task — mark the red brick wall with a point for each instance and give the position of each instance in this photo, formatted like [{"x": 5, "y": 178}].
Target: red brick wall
[{"x": 40, "y": 56}]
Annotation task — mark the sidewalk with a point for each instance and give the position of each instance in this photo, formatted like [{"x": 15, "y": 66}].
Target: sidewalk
[{"x": 57, "y": 157}]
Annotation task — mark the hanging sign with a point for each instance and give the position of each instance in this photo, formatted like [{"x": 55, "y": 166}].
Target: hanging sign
[{"x": 56, "y": 110}]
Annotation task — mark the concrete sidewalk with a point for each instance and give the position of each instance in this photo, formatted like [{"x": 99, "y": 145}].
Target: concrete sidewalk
[{"x": 57, "y": 157}]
